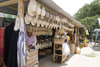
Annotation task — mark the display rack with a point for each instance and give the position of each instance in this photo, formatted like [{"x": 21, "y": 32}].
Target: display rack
[{"x": 58, "y": 42}]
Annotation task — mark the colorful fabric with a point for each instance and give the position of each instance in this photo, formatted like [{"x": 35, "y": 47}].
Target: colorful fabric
[
  {"x": 33, "y": 58},
  {"x": 1, "y": 45},
  {"x": 21, "y": 45}
]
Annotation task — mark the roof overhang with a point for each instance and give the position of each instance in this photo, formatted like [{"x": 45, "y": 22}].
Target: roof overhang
[{"x": 4, "y": 8}]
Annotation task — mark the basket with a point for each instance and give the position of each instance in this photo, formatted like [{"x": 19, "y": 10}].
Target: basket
[
  {"x": 81, "y": 45},
  {"x": 72, "y": 48},
  {"x": 41, "y": 53},
  {"x": 47, "y": 51}
]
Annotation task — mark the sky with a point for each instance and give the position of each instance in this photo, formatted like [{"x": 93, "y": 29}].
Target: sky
[{"x": 71, "y": 6}]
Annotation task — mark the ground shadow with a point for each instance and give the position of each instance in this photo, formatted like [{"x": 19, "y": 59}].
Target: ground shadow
[
  {"x": 70, "y": 56},
  {"x": 47, "y": 61}
]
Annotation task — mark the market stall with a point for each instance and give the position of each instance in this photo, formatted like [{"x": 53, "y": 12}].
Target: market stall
[{"x": 41, "y": 18}]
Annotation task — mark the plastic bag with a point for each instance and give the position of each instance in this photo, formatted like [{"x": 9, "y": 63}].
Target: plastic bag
[{"x": 65, "y": 48}]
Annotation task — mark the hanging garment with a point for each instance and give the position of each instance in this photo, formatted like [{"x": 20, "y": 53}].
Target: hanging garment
[
  {"x": 12, "y": 55},
  {"x": 7, "y": 38},
  {"x": 1, "y": 46},
  {"x": 21, "y": 45},
  {"x": 10, "y": 46}
]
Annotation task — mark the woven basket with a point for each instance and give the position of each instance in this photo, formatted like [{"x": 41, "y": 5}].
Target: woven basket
[
  {"x": 48, "y": 51},
  {"x": 72, "y": 48},
  {"x": 41, "y": 53}
]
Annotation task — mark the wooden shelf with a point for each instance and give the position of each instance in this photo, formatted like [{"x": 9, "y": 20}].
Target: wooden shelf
[
  {"x": 58, "y": 55},
  {"x": 58, "y": 49},
  {"x": 58, "y": 43}
]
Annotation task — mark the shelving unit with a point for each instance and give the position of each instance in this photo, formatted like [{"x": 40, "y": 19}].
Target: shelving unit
[{"x": 58, "y": 42}]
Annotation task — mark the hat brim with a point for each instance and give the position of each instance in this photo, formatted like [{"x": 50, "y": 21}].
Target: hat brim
[{"x": 27, "y": 21}]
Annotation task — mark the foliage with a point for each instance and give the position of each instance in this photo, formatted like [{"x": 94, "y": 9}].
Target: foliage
[{"x": 88, "y": 15}]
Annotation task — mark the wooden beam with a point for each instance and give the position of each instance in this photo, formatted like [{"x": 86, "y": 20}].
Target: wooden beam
[
  {"x": 12, "y": 7},
  {"x": 6, "y": 3},
  {"x": 15, "y": 8},
  {"x": 78, "y": 36}
]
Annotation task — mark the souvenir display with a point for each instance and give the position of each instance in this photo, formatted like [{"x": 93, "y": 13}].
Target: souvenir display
[
  {"x": 39, "y": 30},
  {"x": 43, "y": 45},
  {"x": 32, "y": 7},
  {"x": 45, "y": 17}
]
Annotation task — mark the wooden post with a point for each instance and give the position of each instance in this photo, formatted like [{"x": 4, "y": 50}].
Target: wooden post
[
  {"x": 20, "y": 9},
  {"x": 78, "y": 36}
]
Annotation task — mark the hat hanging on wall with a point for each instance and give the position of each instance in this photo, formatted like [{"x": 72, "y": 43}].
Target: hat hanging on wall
[
  {"x": 32, "y": 7},
  {"x": 28, "y": 18},
  {"x": 33, "y": 22}
]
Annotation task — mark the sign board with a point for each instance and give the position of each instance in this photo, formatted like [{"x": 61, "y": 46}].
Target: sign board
[{"x": 4, "y": 15}]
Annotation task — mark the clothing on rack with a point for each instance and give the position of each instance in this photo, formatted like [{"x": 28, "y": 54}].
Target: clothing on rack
[
  {"x": 21, "y": 45},
  {"x": 10, "y": 46},
  {"x": 7, "y": 39},
  {"x": 12, "y": 56},
  {"x": 1, "y": 46}
]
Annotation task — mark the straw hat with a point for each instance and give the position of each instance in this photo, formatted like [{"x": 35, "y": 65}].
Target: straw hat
[
  {"x": 43, "y": 12},
  {"x": 39, "y": 22},
  {"x": 32, "y": 7},
  {"x": 28, "y": 18},
  {"x": 43, "y": 23},
  {"x": 29, "y": 28},
  {"x": 47, "y": 14},
  {"x": 33, "y": 22}
]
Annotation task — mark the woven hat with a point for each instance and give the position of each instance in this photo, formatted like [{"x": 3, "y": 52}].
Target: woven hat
[
  {"x": 28, "y": 18},
  {"x": 32, "y": 7},
  {"x": 29, "y": 28},
  {"x": 33, "y": 22}
]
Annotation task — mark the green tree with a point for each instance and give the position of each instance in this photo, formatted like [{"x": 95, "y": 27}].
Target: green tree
[{"x": 88, "y": 15}]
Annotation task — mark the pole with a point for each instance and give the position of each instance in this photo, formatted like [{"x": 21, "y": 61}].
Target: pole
[
  {"x": 20, "y": 10},
  {"x": 78, "y": 37}
]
